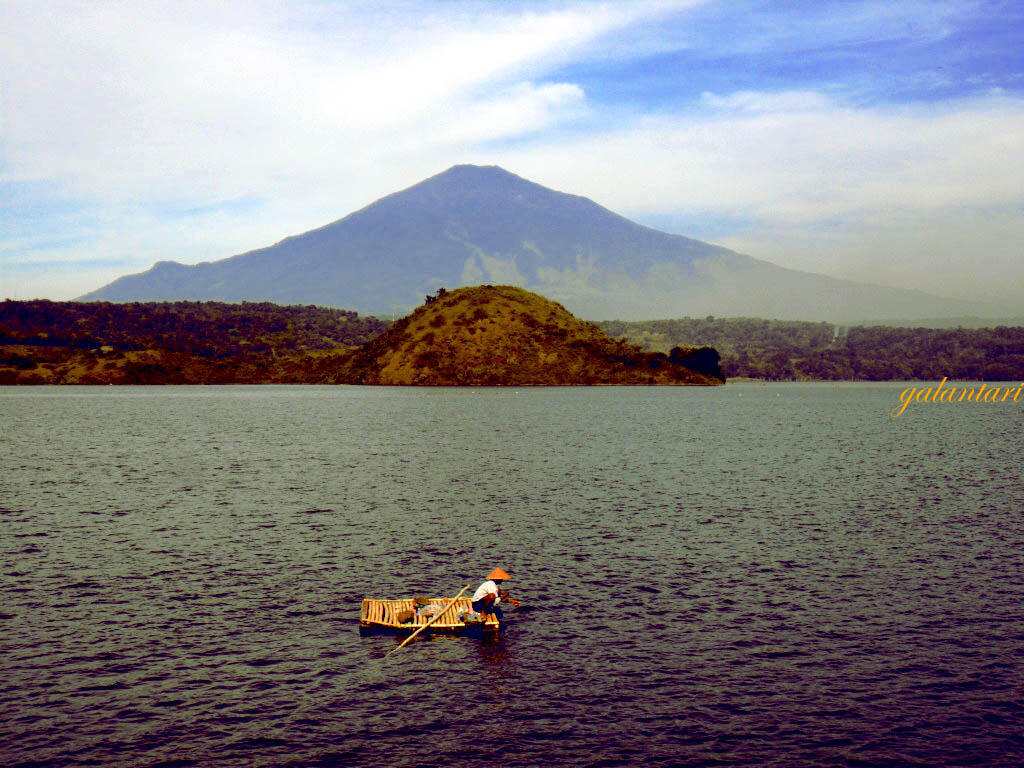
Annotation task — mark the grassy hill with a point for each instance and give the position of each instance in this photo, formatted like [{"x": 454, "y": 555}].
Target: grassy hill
[
  {"x": 502, "y": 335},
  {"x": 473, "y": 336}
]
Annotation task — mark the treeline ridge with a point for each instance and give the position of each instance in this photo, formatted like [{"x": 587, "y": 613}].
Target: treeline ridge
[{"x": 779, "y": 350}]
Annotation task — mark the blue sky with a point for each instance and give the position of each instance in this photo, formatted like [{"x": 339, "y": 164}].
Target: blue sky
[
  {"x": 878, "y": 141},
  {"x": 869, "y": 53}
]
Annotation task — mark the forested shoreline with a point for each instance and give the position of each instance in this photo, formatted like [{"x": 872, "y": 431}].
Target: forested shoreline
[
  {"x": 256, "y": 342},
  {"x": 779, "y": 350},
  {"x": 180, "y": 342},
  {"x": 208, "y": 329}
]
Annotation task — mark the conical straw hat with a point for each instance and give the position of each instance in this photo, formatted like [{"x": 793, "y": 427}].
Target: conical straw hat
[{"x": 497, "y": 573}]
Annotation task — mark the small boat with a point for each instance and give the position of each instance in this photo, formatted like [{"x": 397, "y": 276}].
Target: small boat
[{"x": 387, "y": 615}]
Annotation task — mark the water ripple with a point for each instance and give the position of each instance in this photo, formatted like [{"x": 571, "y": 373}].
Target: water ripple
[{"x": 707, "y": 580}]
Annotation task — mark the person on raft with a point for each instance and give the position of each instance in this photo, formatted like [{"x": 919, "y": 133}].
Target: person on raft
[{"x": 488, "y": 595}]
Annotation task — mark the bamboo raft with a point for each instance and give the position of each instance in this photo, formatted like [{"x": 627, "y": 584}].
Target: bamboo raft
[{"x": 383, "y": 615}]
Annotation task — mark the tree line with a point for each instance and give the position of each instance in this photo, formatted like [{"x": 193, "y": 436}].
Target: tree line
[
  {"x": 778, "y": 350},
  {"x": 208, "y": 329},
  {"x": 264, "y": 334}
]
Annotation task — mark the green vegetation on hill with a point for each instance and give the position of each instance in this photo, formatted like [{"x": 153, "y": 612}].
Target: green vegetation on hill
[
  {"x": 784, "y": 350},
  {"x": 503, "y": 335},
  {"x": 487, "y": 334},
  {"x": 204, "y": 329},
  {"x": 182, "y": 342},
  {"x": 478, "y": 336}
]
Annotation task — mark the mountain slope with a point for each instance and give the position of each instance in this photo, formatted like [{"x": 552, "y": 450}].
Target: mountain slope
[
  {"x": 472, "y": 225},
  {"x": 503, "y": 335}
]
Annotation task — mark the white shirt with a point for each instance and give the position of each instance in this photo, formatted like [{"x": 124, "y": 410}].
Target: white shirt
[{"x": 487, "y": 588}]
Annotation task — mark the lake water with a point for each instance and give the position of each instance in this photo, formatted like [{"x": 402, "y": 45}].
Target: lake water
[{"x": 758, "y": 575}]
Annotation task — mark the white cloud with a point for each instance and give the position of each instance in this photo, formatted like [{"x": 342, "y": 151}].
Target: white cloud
[
  {"x": 211, "y": 101},
  {"x": 315, "y": 109},
  {"x": 523, "y": 108},
  {"x": 799, "y": 166},
  {"x": 755, "y": 101}
]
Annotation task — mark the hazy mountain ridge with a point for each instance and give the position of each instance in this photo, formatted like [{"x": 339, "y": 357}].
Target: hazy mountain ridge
[{"x": 471, "y": 225}]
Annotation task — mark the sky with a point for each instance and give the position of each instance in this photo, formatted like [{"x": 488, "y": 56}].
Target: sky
[{"x": 875, "y": 141}]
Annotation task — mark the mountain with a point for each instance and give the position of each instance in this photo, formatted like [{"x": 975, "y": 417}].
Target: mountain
[
  {"x": 473, "y": 225},
  {"x": 505, "y": 336}
]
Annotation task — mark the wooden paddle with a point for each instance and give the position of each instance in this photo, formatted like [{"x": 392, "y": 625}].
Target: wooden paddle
[{"x": 440, "y": 613}]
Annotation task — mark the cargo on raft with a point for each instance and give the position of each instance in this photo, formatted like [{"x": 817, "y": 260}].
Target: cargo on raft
[{"x": 415, "y": 613}]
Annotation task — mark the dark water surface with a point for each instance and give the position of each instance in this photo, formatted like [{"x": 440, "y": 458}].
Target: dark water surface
[{"x": 748, "y": 575}]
